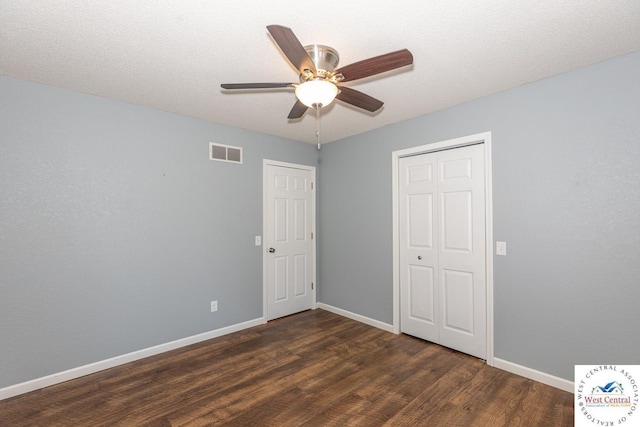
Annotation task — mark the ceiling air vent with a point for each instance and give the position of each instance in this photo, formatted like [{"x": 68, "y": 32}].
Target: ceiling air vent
[{"x": 225, "y": 153}]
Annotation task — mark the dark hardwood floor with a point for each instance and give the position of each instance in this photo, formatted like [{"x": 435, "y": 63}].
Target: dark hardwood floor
[{"x": 311, "y": 369}]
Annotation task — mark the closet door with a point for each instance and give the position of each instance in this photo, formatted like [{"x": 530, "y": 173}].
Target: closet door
[
  {"x": 418, "y": 252},
  {"x": 442, "y": 248}
]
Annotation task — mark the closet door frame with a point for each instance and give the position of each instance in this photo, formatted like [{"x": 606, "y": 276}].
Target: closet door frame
[{"x": 480, "y": 138}]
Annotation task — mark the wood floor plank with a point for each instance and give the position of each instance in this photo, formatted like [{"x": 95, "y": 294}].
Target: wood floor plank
[{"x": 311, "y": 369}]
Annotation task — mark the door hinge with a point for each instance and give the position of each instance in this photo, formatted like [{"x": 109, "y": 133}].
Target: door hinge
[
  {"x": 311, "y": 236},
  {"x": 312, "y": 185},
  {"x": 311, "y": 285}
]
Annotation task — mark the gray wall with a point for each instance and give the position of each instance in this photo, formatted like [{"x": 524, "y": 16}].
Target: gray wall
[
  {"x": 566, "y": 189},
  {"x": 116, "y": 230}
]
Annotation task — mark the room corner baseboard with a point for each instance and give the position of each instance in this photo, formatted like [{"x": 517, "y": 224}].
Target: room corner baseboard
[
  {"x": 49, "y": 380},
  {"x": 353, "y": 316},
  {"x": 532, "y": 374},
  {"x": 514, "y": 368},
  {"x": 38, "y": 383}
]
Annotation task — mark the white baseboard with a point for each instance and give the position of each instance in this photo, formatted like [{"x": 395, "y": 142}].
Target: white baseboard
[
  {"x": 38, "y": 383},
  {"x": 353, "y": 316},
  {"x": 514, "y": 368},
  {"x": 532, "y": 374}
]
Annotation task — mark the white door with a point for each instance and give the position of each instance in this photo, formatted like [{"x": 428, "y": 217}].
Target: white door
[
  {"x": 442, "y": 248},
  {"x": 289, "y": 240}
]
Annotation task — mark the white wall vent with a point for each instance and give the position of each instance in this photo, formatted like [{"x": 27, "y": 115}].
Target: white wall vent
[{"x": 225, "y": 153}]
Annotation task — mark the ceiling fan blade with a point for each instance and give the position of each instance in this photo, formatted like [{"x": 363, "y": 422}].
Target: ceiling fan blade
[
  {"x": 297, "y": 111},
  {"x": 375, "y": 65},
  {"x": 255, "y": 85},
  {"x": 359, "y": 99},
  {"x": 292, "y": 48}
]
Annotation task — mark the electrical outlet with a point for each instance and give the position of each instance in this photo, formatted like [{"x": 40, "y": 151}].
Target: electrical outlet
[
  {"x": 214, "y": 306},
  {"x": 258, "y": 240}
]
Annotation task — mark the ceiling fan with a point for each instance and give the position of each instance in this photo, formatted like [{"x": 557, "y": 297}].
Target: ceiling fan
[{"x": 320, "y": 81}]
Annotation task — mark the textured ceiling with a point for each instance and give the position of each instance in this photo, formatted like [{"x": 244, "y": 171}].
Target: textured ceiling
[{"x": 172, "y": 55}]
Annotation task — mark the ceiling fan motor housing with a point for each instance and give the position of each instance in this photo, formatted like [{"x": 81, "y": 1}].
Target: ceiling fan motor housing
[{"x": 325, "y": 59}]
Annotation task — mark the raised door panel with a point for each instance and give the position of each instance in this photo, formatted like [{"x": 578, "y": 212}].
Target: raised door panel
[
  {"x": 300, "y": 276},
  {"x": 421, "y": 294},
  {"x": 281, "y": 278},
  {"x": 458, "y": 307},
  {"x": 420, "y": 221}
]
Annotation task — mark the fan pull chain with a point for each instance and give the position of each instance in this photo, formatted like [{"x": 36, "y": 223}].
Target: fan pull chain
[{"x": 318, "y": 106}]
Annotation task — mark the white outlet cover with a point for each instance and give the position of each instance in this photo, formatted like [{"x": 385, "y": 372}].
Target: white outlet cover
[{"x": 258, "y": 240}]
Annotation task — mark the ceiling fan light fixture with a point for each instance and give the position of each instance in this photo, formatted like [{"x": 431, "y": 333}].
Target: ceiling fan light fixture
[{"x": 316, "y": 92}]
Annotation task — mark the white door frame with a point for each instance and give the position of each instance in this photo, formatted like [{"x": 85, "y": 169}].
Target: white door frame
[
  {"x": 482, "y": 138},
  {"x": 265, "y": 225}
]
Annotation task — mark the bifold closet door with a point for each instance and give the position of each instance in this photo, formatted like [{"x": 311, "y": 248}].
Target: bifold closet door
[{"x": 442, "y": 248}]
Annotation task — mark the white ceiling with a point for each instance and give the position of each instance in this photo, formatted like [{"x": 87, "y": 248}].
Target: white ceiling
[{"x": 172, "y": 55}]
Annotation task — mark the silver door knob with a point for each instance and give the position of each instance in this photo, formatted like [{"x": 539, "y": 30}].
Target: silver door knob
[
  {"x": 419, "y": 256},
  {"x": 272, "y": 250}
]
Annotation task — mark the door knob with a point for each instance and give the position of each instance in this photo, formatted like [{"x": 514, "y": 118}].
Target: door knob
[
  {"x": 272, "y": 250},
  {"x": 419, "y": 256}
]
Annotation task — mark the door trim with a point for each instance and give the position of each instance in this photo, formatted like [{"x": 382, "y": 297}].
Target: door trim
[
  {"x": 480, "y": 138},
  {"x": 312, "y": 169}
]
